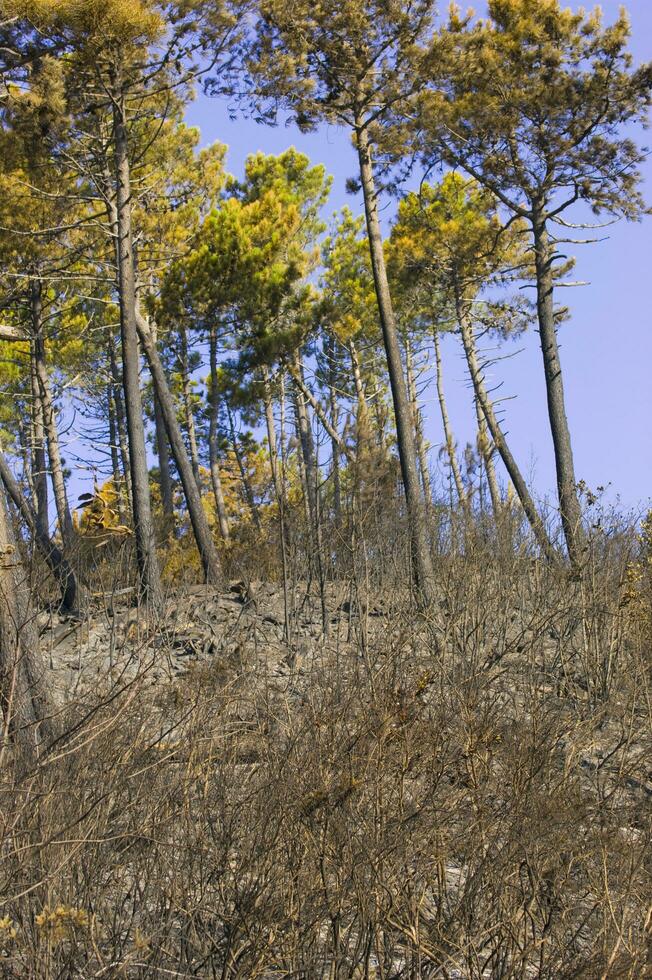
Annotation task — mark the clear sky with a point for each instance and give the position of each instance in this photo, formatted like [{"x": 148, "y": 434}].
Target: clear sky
[{"x": 606, "y": 346}]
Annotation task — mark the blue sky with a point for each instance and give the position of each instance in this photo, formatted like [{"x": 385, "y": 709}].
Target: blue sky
[{"x": 606, "y": 346}]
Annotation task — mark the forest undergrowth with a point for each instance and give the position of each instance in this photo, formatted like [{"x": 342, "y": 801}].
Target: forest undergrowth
[{"x": 458, "y": 791}]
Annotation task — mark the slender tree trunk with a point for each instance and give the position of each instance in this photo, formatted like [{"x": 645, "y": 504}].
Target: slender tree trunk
[
  {"x": 55, "y": 560},
  {"x": 271, "y": 434},
  {"x": 114, "y": 445},
  {"x": 189, "y": 415},
  {"x": 244, "y": 476},
  {"x": 571, "y": 512},
  {"x": 362, "y": 413},
  {"x": 23, "y": 698},
  {"x": 24, "y": 442},
  {"x": 417, "y": 516},
  {"x": 296, "y": 373},
  {"x": 39, "y": 463},
  {"x": 329, "y": 351},
  {"x": 164, "y": 477},
  {"x": 486, "y": 455},
  {"x": 309, "y": 454},
  {"x": 50, "y": 419},
  {"x": 148, "y": 566},
  {"x": 200, "y": 526},
  {"x": 448, "y": 432},
  {"x": 511, "y": 466},
  {"x": 306, "y": 440},
  {"x": 422, "y": 451},
  {"x": 213, "y": 441},
  {"x": 121, "y": 425}
]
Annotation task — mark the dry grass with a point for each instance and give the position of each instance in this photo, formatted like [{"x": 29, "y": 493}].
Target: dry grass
[{"x": 459, "y": 795}]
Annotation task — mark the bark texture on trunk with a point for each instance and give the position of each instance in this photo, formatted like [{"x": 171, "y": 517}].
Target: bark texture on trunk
[
  {"x": 23, "y": 699},
  {"x": 213, "y": 442},
  {"x": 39, "y": 462},
  {"x": 448, "y": 432},
  {"x": 569, "y": 504},
  {"x": 50, "y": 419},
  {"x": 529, "y": 507},
  {"x": 191, "y": 430},
  {"x": 164, "y": 477},
  {"x": 422, "y": 450},
  {"x": 417, "y": 516},
  {"x": 148, "y": 567},
  {"x": 124, "y": 485},
  {"x": 208, "y": 552},
  {"x": 335, "y": 421}
]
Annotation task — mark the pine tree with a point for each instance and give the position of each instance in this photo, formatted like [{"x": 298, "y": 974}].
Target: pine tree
[
  {"x": 452, "y": 236},
  {"x": 352, "y": 64},
  {"x": 533, "y": 104}
]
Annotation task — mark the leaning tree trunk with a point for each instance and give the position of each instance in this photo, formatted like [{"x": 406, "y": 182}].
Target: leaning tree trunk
[
  {"x": 569, "y": 503},
  {"x": 191, "y": 430},
  {"x": 163, "y": 454},
  {"x": 417, "y": 516},
  {"x": 58, "y": 565},
  {"x": 23, "y": 699},
  {"x": 486, "y": 455},
  {"x": 164, "y": 477},
  {"x": 448, "y": 432},
  {"x": 529, "y": 508},
  {"x": 200, "y": 526},
  {"x": 50, "y": 419},
  {"x": 148, "y": 566}
]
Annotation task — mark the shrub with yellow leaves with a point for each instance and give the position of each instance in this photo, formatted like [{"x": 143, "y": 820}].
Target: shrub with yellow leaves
[
  {"x": 8, "y": 931},
  {"x": 61, "y": 922}
]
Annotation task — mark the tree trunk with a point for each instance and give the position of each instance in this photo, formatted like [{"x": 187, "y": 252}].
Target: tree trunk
[
  {"x": 213, "y": 442},
  {"x": 329, "y": 351},
  {"x": 416, "y": 511},
  {"x": 147, "y": 559},
  {"x": 39, "y": 463},
  {"x": 486, "y": 455},
  {"x": 23, "y": 698},
  {"x": 58, "y": 565},
  {"x": 49, "y": 418},
  {"x": 422, "y": 452},
  {"x": 309, "y": 455},
  {"x": 121, "y": 425},
  {"x": 164, "y": 477},
  {"x": 244, "y": 476},
  {"x": 189, "y": 415},
  {"x": 306, "y": 441},
  {"x": 200, "y": 526},
  {"x": 271, "y": 435},
  {"x": 571, "y": 513},
  {"x": 114, "y": 445},
  {"x": 448, "y": 432},
  {"x": 511, "y": 466},
  {"x": 362, "y": 414}
]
